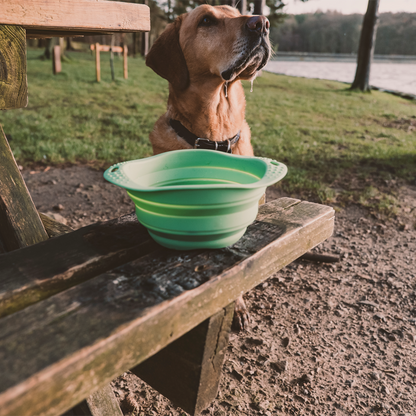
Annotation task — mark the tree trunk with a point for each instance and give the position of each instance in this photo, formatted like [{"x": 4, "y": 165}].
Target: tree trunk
[
  {"x": 170, "y": 11},
  {"x": 69, "y": 46},
  {"x": 242, "y": 6},
  {"x": 48, "y": 48},
  {"x": 112, "y": 58},
  {"x": 366, "y": 48},
  {"x": 134, "y": 48},
  {"x": 145, "y": 38},
  {"x": 259, "y": 7}
]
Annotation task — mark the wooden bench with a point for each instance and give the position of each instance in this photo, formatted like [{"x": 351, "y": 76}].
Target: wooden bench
[{"x": 119, "y": 301}]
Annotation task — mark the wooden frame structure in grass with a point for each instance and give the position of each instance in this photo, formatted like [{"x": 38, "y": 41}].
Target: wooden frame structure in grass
[{"x": 108, "y": 48}]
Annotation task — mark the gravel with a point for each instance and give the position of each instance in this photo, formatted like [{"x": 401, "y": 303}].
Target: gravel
[{"x": 325, "y": 339}]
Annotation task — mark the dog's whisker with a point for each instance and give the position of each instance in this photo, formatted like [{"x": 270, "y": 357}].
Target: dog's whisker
[{"x": 252, "y": 82}]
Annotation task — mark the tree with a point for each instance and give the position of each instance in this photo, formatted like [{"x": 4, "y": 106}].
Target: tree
[
  {"x": 276, "y": 15},
  {"x": 259, "y": 6},
  {"x": 366, "y": 48},
  {"x": 174, "y": 8}
]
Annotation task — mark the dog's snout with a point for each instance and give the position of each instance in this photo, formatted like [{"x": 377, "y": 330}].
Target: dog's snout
[{"x": 258, "y": 24}]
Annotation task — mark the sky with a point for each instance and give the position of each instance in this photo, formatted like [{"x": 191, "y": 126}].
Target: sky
[{"x": 349, "y": 6}]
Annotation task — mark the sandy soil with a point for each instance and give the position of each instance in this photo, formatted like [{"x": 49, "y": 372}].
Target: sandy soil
[{"x": 325, "y": 339}]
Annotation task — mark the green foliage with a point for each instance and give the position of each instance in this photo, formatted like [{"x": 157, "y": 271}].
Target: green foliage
[
  {"x": 276, "y": 15},
  {"x": 393, "y": 33},
  {"x": 177, "y": 7},
  {"x": 337, "y": 33},
  {"x": 338, "y": 144}
]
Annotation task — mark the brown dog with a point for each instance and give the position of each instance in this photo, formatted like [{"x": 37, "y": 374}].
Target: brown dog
[{"x": 204, "y": 54}]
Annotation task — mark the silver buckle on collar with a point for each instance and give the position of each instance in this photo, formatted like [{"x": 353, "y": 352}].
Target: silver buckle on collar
[
  {"x": 211, "y": 144},
  {"x": 198, "y": 144}
]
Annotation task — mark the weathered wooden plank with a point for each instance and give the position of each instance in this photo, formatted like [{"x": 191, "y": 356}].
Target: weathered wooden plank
[
  {"x": 101, "y": 403},
  {"x": 97, "y": 62},
  {"x": 13, "y": 80},
  {"x": 56, "y": 352},
  {"x": 104, "y": 403},
  {"x": 125, "y": 62},
  {"x": 20, "y": 225},
  {"x": 76, "y": 15},
  {"x": 56, "y": 60},
  {"x": 32, "y": 274},
  {"x": 188, "y": 370},
  {"x": 81, "y": 409},
  {"x": 45, "y": 34},
  {"x": 52, "y": 227},
  {"x": 107, "y": 48}
]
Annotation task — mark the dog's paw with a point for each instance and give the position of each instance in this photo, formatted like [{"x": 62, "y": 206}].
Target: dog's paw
[{"x": 241, "y": 318}]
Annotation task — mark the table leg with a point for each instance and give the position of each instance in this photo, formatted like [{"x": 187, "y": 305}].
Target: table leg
[
  {"x": 188, "y": 370},
  {"x": 20, "y": 225},
  {"x": 101, "y": 403}
]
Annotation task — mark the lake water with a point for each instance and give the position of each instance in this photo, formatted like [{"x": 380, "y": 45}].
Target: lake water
[{"x": 385, "y": 75}]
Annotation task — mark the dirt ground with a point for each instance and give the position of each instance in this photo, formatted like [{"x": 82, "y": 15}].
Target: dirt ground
[{"x": 325, "y": 339}]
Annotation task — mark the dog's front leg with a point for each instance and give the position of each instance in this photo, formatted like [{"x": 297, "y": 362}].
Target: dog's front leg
[{"x": 241, "y": 318}]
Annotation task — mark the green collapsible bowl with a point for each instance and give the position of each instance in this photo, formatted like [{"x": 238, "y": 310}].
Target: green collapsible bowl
[{"x": 189, "y": 199}]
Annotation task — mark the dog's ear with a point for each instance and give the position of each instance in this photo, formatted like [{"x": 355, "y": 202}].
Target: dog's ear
[{"x": 166, "y": 57}]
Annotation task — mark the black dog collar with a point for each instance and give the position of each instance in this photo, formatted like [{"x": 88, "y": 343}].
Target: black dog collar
[{"x": 200, "y": 143}]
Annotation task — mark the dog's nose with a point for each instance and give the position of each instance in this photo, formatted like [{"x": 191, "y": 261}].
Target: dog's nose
[{"x": 258, "y": 24}]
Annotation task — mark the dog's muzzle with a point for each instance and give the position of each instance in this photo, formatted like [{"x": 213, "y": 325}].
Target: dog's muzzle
[{"x": 256, "y": 50}]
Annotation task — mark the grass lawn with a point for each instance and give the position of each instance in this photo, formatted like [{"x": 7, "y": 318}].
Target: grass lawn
[{"x": 339, "y": 145}]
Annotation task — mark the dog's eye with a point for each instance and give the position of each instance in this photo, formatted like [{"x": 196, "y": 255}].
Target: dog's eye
[{"x": 207, "y": 21}]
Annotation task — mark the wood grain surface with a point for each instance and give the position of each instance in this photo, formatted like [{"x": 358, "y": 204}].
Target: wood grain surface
[
  {"x": 75, "y": 15},
  {"x": 53, "y": 227},
  {"x": 106, "y": 48},
  {"x": 30, "y": 275},
  {"x": 188, "y": 370},
  {"x": 58, "y": 351},
  {"x": 13, "y": 80},
  {"x": 101, "y": 403},
  {"x": 20, "y": 225}
]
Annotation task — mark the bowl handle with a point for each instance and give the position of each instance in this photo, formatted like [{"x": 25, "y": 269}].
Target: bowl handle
[
  {"x": 274, "y": 173},
  {"x": 115, "y": 174}
]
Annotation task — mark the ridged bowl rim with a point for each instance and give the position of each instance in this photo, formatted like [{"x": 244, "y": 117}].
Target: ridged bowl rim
[{"x": 117, "y": 174}]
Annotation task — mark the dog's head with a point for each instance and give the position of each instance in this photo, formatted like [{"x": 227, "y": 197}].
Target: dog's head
[{"x": 211, "y": 42}]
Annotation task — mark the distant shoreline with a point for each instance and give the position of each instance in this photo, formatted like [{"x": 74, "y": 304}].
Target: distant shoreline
[
  {"x": 339, "y": 57},
  {"x": 395, "y": 77}
]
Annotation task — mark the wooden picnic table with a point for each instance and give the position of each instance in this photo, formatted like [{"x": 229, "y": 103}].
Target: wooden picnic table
[{"x": 78, "y": 308}]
